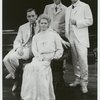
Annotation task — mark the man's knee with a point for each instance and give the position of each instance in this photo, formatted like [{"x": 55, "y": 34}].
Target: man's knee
[
  {"x": 13, "y": 57},
  {"x": 14, "y": 60},
  {"x": 6, "y": 59},
  {"x": 10, "y": 56}
]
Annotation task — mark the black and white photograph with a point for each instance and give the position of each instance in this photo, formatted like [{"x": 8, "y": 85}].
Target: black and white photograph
[{"x": 49, "y": 50}]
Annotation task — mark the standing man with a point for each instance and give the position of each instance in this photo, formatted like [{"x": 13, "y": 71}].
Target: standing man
[
  {"x": 56, "y": 11},
  {"x": 78, "y": 18},
  {"x": 22, "y": 45}
]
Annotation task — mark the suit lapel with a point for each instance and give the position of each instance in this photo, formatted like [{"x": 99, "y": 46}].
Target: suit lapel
[
  {"x": 68, "y": 16},
  {"x": 58, "y": 11},
  {"x": 28, "y": 32},
  {"x": 53, "y": 9}
]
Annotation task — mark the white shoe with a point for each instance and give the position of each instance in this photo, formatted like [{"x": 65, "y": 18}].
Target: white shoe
[
  {"x": 75, "y": 83},
  {"x": 14, "y": 87},
  {"x": 84, "y": 89},
  {"x": 10, "y": 76}
]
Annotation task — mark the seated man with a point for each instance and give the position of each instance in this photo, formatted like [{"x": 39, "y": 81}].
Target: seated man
[{"x": 22, "y": 45}]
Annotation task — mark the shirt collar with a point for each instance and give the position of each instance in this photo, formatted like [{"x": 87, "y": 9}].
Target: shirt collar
[
  {"x": 33, "y": 24},
  {"x": 58, "y": 6},
  {"x": 75, "y": 4}
]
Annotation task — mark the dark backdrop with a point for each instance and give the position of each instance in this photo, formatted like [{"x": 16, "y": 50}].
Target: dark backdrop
[{"x": 14, "y": 12}]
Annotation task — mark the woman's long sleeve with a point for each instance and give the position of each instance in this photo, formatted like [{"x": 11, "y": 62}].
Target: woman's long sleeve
[
  {"x": 59, "y": 48},
  {"x": 34, "y": 47}
]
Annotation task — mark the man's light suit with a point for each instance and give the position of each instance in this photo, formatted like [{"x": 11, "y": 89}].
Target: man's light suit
[
  {"x": 22, "y": 40},
  {"x": 78, "y": 36}
]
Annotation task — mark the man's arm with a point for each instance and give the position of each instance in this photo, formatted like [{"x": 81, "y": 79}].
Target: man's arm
[
  {"x": 88, "y": 18},
  {"x": 18, "y": 40},
  {"x": 18, "y": 43}
]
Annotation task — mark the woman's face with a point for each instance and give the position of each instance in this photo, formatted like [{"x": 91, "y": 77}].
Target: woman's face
[{"x": 44, "y": 24}]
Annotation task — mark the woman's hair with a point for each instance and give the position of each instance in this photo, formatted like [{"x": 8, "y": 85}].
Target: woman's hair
[{"x": 44, "y": 16}]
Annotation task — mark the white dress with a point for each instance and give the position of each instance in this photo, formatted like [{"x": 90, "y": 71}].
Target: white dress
[{"x": 37, "y": 77}]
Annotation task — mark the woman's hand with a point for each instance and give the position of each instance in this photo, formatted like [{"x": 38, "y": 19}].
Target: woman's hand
[{"x": 40, "y": 58}]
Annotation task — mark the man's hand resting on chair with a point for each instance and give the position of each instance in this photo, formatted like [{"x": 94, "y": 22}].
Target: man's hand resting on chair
[{"x": 20, "y": 51}]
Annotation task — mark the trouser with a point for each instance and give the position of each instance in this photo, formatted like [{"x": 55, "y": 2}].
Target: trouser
[
  {"x": 79, "y": 59},
  {"x": 19, "y": 73},
  {"x": 11, "y": 60},
  {"x": 57, "y": 72},
  {"x": 58, "y": 66}
]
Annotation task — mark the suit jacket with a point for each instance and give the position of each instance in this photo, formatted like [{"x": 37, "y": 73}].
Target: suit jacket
[
  {"x": 57, "y": 18},
  {"x": 23, "y": 36},
  {"x": 83, "y": 16}
]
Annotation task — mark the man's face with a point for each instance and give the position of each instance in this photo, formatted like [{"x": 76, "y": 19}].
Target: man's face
[
  {"x": 57, "y": 1},
  {"x": 74, "y": 1},
  {"x": 31, "y": 16}
]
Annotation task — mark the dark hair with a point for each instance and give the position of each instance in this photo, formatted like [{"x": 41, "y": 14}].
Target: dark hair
[{"x": 30, "y": 9}]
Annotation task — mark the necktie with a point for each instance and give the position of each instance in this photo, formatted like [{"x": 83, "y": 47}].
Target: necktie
[
  {"x": 32, "y": 32},
  {"x": 73, "y": 6},
  {"x": 33, "y": 29},
  {"x": 56, "y": 8}
]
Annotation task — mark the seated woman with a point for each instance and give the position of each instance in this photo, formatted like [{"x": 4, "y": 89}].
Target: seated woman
[{"x": 37, "y": 77}]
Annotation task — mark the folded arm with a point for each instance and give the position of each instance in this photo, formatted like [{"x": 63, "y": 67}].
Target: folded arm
[
  {"x": 88, "y": 18},
  {"x": 18, "y": 40}
]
